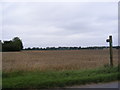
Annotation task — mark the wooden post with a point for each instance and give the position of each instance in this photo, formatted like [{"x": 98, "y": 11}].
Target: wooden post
[{"x": 111, "y": 53}]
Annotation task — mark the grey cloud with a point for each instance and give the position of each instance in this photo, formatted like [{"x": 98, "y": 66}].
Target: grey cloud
[{"x": 55, "y": 24}]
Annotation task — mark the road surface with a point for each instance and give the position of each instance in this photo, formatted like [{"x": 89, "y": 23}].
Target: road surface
[{"x": 114, "y": 84}]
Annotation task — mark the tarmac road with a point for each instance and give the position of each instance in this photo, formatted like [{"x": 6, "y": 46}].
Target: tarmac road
[{"x": 114, "y": 84}]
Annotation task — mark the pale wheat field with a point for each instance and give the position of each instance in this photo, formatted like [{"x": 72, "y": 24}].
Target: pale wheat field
[{"x": 56, "y": 60}]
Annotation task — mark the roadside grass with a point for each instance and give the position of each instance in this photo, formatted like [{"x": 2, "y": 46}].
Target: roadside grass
[
  {"x": 0, "y": 79},
  {"x": 56, "y": 79}
]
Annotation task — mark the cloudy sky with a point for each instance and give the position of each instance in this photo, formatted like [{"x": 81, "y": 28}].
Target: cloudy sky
[{"x": 54, "y": 24}]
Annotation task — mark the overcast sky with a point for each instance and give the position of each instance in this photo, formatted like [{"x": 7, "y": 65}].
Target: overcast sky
[{"x": 50, "y": 24}]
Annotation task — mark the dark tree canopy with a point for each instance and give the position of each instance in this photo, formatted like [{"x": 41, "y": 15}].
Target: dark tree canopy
[
  {"x": 17, "y": 41},
  {"x": 0, "y": 46},
  {"x": 13, "y": 45}
]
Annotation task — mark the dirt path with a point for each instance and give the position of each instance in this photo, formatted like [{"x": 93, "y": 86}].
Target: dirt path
[{"x": 99, "y": 85}]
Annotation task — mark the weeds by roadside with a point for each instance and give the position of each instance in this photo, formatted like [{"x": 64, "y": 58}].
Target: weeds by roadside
[{"x": 51, "y": 79}]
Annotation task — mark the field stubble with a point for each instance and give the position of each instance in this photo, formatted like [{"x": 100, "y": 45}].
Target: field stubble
[{"x": 56, "y": 60}]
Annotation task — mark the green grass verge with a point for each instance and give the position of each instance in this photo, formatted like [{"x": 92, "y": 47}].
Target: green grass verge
[
  {"x": 0, "y": 79},
  {"x": 50, "y": 79}
]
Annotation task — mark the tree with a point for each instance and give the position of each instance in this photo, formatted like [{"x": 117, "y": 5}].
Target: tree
[
  {"x": 17, "y": 43},
  {"x": 13, "y": 45},
  {"x": 0, "y": 46}
]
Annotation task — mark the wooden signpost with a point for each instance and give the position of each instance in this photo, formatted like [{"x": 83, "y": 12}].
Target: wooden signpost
[{"x": 111, "y": 53}]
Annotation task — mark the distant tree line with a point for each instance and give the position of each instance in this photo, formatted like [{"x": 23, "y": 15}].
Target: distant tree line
[
  {"x": 13, "y": 45},
  {"x": 69, "y": 48},
  {"x": 53, "y": 48},
  {"x": 16, "y": 45}
]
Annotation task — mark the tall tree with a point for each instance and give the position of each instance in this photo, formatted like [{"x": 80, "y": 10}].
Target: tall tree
[
  {"x": 17, "y": 43},
  {"x": 0, "y": 46},
  {"x": 13, "y": 45}
]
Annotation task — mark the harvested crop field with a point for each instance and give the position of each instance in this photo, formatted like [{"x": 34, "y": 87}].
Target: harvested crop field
[{"x": 56, "y": 60}]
